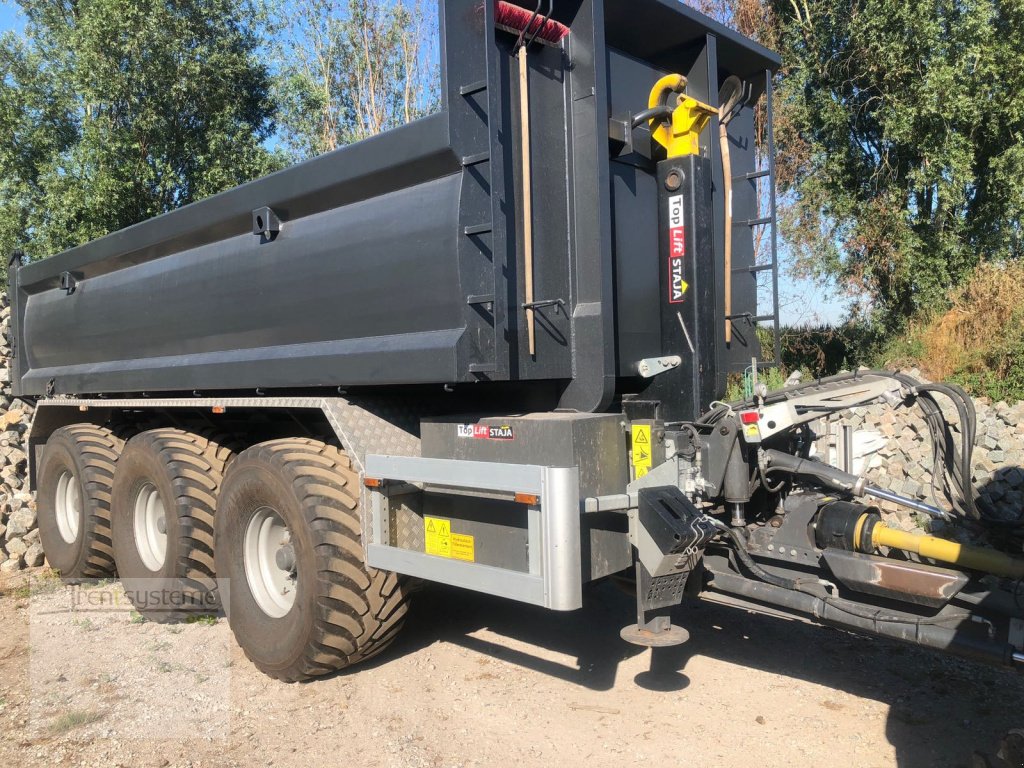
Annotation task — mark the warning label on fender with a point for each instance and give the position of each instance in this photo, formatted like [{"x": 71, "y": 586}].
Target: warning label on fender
[
  {"x": 438, "y": 540},
  {"x": 463, "y": 547},
  {"x": 437, "y": 536},
  {"x": 676, "y": 250},
  {"x": 641, "y": 444}
]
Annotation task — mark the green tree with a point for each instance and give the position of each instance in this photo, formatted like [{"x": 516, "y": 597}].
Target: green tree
[
  {"x": 900, "y": 140},
  {"x": 350, "y": 69},
  {"x": 900, "y": 129},
  {"x": 114, "y": 111}
]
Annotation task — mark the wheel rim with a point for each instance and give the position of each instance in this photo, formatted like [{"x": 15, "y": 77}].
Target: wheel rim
[
  {"x": 150, "y": 527},
  {"x": 68, "y": 507},
  {"x": 270, "y": 563}
]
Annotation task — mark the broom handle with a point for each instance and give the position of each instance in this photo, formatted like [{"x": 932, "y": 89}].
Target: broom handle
[
  {"x": 524, "y": 111},
  {"x": 727, "y": 184}
]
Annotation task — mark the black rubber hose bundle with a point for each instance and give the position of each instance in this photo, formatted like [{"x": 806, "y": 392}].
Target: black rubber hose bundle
[{"x": 949, "y": 462}]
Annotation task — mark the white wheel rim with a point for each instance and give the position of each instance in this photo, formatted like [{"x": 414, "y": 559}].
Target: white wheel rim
[
  {"x": 150, "y": 527},
  {"x": 267, "y": 541},
  {"x": 68, "y": 507}
]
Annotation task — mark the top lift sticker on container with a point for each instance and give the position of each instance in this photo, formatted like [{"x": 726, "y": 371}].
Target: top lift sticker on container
[{"x": 676, "y": 250}]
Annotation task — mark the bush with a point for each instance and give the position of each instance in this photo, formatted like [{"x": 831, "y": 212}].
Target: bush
[{"x": 979, "y": 341}]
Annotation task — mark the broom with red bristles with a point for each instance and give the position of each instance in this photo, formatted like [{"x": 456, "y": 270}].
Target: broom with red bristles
[{"x": 530, "y": 26}]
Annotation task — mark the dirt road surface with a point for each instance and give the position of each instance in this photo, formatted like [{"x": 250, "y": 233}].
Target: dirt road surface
[{"x": 475, "y": 681}]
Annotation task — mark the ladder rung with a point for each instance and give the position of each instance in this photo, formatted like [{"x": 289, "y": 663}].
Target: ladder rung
[
  {"x": 477, "y": 229},
  {"x": 482, "y": 368},
  {"x": 753, "y": 222},
  {"x": 482, "y": 157},
  {"x": 753, "y": 175},
  {"x": 469, "y": 90},
  {"x": 486, "y": 298},
  {"x": 752, "y": 270}
]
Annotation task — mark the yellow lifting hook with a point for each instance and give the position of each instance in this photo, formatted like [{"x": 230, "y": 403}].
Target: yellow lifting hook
[{"x": 681, "y": 135}]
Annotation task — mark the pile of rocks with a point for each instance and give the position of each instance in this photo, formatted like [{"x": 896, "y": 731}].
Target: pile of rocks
[
  {"x": 19, "y": 536},
  {"x": 904, "y": 464}
]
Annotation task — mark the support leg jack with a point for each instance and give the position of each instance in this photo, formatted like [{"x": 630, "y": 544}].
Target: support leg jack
[{"x": 655, "y": 599}]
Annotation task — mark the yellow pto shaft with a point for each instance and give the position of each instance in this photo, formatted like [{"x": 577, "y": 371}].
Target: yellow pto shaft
[{"x": 975, "y": 558}]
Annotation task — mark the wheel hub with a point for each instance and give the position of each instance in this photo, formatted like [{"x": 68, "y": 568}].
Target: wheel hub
[
  {"x": 285, "y": 558},
  {"x": 68, "y": 507},
  {"x": 270, "y": 563},
  {"x": 150, "y": 523}
]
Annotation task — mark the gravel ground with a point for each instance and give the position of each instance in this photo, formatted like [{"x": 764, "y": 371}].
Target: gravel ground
[{"x": 475, "y": 681}]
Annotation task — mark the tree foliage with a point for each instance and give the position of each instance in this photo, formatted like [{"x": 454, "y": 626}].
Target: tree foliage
[
  {"x": 350, "y": 69},
  {"x": 901, "y": 142},
  {"x": 900, "y": 138},
  {"x": 114, "y": 111}
]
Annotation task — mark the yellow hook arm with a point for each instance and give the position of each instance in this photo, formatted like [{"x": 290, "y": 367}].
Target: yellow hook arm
[{"x": 681, "y": 135}]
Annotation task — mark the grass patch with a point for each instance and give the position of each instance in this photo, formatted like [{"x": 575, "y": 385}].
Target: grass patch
[
  {"x": 137, "y": 618},
  {"x": 72, "y": 719},
  {"x": 206, "y": 620},
  {"x": 773, "y": 378},
  {"x": 43, "y": 582},
  {"x": 85, "y": 624},
  {"x": 21, "y": 592},
  {"x": 46, "y": 581}
]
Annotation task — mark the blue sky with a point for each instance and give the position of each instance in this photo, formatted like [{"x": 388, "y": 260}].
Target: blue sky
[
  {"x": 801, "y": 301},
  {"x": 8, "y": 16}
]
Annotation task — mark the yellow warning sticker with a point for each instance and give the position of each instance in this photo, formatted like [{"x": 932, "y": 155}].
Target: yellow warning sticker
[
  {"x": 642, "y": 460},
  {"x": 439, "y": 540},
  {"x": 463, "y": 547},
  {"x": 437, "y": 536}
]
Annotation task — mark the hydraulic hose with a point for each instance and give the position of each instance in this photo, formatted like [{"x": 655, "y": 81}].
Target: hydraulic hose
[
  {"x": 644, "y": 117},
  {"x": 949, "y": 462},
  {"x": 751, "y": 565}
]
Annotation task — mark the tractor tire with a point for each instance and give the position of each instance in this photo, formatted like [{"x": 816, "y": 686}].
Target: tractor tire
[
  {"x": 165, "y": 494},
  {"x": 301, "y": 600},
  {"x": 74, "y": 494}
]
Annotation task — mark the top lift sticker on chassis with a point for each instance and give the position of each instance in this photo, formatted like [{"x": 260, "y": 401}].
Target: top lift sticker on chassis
[
  {"x": 676, "y": 250},
  {"x": 485, "y": 432}
]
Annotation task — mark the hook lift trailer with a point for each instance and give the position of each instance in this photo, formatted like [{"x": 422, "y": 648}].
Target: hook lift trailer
[{"x": 485, "y": 349}]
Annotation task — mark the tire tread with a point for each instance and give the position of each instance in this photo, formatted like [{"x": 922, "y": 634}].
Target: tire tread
[
  {"x": 195, "y": 462},
  {"x": 359, "y": 609},
  {"x": 98, "y": 449}
]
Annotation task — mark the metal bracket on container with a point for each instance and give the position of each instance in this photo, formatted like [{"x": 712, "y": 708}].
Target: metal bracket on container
[
  {"x": 265, "y": 223},
  {"x": 558, "y": 304},
  {"x": 68, "y": 282},
  {"x": 652, "y": 366}
]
